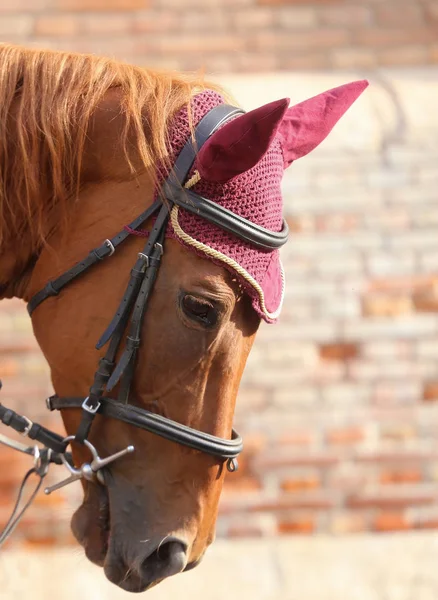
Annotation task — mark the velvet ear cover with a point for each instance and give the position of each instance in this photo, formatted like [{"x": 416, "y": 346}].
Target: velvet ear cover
[
  {"x": 308, "y": 123},
  {"x": 241, "y": 144}
]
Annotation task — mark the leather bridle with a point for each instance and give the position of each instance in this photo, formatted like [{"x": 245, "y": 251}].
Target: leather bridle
[{"x": 130, "y": 314}]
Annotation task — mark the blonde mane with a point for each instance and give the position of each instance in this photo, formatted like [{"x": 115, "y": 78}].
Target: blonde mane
[{"x": 47, "y": 99}]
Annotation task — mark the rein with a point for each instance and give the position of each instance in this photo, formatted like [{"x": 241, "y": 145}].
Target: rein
[{"x": 130, "y": 313}]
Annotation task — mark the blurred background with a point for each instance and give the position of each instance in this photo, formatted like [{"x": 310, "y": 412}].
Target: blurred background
[{"x": 337, "y": 494}]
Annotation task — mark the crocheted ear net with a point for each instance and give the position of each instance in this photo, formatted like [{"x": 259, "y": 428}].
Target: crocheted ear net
[{"x": 255, "y": 195}]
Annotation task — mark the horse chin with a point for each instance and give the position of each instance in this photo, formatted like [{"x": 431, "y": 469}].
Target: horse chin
[
  {"x": 90, "y": 524},
  {"x": 127, "y": 579},
  {"x": 193, "y": 564}
]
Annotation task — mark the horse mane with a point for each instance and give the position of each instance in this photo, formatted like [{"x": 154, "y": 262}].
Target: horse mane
[{"x": 47, "y": 99}]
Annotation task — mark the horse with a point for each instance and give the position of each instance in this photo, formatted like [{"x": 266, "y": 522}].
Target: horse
[{"x": 157, "y": 168}]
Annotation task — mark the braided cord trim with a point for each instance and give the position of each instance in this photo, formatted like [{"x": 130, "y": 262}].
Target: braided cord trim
[{"x": 228, "y": 261}]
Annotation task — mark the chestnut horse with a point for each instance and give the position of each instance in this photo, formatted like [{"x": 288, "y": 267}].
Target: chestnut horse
[{"x": 85, "y": 145}]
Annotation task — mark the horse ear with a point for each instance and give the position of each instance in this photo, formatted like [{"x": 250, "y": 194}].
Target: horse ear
[
  {"x": 308, "y": 123},
  {"x": 240, "y": 144}
]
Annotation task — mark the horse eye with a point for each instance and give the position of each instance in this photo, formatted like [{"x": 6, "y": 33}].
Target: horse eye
[{"x": 199, "y": 309}]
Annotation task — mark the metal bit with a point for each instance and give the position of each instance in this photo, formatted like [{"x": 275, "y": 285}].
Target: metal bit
[{"x": 89, "y": 470}]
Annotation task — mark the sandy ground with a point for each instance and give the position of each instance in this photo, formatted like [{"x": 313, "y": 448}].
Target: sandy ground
[{"x": 366, "y": 567}]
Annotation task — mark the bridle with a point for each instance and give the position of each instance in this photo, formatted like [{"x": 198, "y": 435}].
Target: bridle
[{"x": 130, "y": 314}]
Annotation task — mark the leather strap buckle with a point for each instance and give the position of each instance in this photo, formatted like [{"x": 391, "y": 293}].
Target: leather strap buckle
[
  {"x": 144, "y": 257},
  {"x": 28, "y": 427},
  {"x": 49, "y": 404},
  {"x": 110, "y": 246},
  {"x": 90, "y": 409}
]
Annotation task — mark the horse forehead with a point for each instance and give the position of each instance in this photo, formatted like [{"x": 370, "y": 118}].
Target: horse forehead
[{"x": 186, "y": 267}]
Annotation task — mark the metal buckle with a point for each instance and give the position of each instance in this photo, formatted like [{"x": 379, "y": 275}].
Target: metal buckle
[
  {"x": 28, "y": 427},
  {"x": 110, "y": 246},
  {"x": 159, "y": 247},
  {"x": 144, "y": 257},
  {"x": 90, "y": 409}
]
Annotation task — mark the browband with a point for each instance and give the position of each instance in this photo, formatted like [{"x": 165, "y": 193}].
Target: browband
[{"x": 225, "y": 219}]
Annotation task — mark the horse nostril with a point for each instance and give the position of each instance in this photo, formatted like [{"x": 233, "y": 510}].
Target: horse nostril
[{"x": 168, "y": 559}]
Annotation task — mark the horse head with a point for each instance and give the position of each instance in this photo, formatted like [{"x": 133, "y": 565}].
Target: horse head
[{"x": 86, "y": 145}]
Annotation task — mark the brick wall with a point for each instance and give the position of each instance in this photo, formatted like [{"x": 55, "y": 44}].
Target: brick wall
[
  {"x": 339, "y": 403},
  {"x": 237, "y": 35}
]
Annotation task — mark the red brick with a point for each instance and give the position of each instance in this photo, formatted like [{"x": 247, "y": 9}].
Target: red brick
[
  {"x": 291, "y": 18},
  {"x": 338, "y": 351},
  {"x": 401, "y": 476},
  {"x": 348, "y": 522},
  {"x": 391, "y": 500},
  {"x": 297, "y": 438},
  {"x": 430, "y": 391},
  {"x": 349, "y": 16},
  {"x": 246, "y": 62},
  {"x": 346, "y": 479},
  {"x": 431, "y": 9},
  {"x": 19, "y": 345},
  {"x": 427, "y": 524},
  {"x": 296, "y": 60},
  {"x": 245, "y": 19},
  {"x": 255, "y": 443},
  {"x": 381, "y": 305},
  {"x": 22, "y": 5},
  {"x": 315, "y": 459},
  {"x": 296, "y": 2},
  {"x": 13, "y": 465},
  {"x": 153, "y": 22},
  {"x": 400, "y": 432},
  {"x": 300, "y": 224},
  {"x": 8, "y": 368},
  {"x": 106, "y": 24},
  {"x": 387, "y": 37},
  {"x": 56, "y": 26},
  {"x": 338, "y": 222},
  {"x": 241, "y": 484},
  {"x": 299, "y": 526},
  {"x": 390, "y": 521},
  {"x": 90, "y": 5},
  {"x": 406, "y": 55},
  {"x": 402, "y": 13},
  {"x": 434, "y": 53},
  {"x": 396, "y": 456},
  {"x": 426, "y": 301},
  {"x": 300, "y": 484},
  {"x": 321, "y": 38},
  {"x": 408, "y": 283},
  {"x": 47, "y": 541},
  {"x": 305, "y": 500},
  {"x": 199, "y": 42},
  {"x": 50, "y": 502},
  {"x": 345, "y": 435},
  {"x": 239, "y": 531}
]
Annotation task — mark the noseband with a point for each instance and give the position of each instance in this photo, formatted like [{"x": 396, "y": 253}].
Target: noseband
[{"x": 130, "y": 313}]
